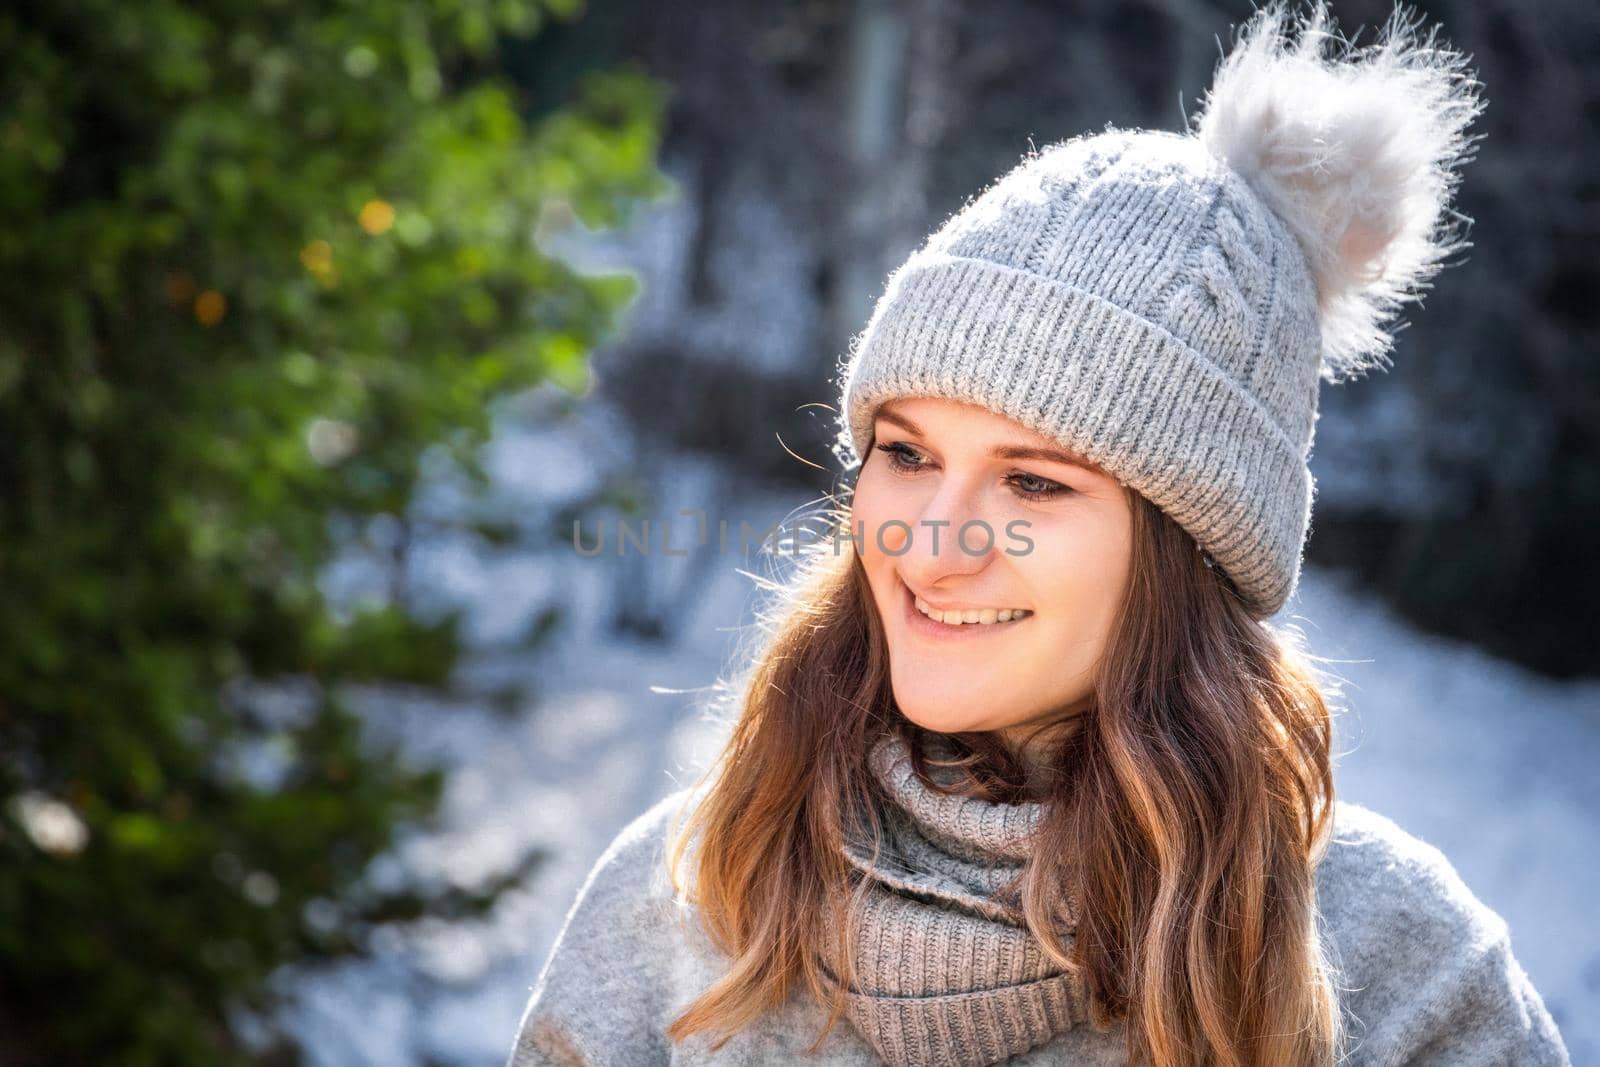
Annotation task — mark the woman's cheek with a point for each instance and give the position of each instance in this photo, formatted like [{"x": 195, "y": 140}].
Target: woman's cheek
[{"x": 882, "y": 518}]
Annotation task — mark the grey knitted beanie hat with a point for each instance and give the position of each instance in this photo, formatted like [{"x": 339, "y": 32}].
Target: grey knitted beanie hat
[{"x": 1166, "y": 304}]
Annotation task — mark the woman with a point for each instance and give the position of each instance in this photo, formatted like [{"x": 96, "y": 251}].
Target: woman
[{"x": 1021, "y": 771}]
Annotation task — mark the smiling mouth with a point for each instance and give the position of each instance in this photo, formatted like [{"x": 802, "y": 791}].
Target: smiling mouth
[
  {"x": 970, "y": 619},
  {"x": 974, "y": 617}
]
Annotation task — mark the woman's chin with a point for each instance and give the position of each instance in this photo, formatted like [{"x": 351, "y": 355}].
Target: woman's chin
[{"x": 946, "y": 714}]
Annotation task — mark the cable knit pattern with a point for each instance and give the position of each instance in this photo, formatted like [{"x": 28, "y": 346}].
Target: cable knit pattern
[
  {"x": 1128, "y": 294},
  {"x": 947, "y": 975}
]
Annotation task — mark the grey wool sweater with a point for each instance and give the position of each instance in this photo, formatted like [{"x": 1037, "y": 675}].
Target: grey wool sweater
[{"x": 947, "y": 976}]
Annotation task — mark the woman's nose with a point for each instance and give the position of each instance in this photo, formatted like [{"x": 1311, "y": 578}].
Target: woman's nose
[{"x": 950, "y": 536}]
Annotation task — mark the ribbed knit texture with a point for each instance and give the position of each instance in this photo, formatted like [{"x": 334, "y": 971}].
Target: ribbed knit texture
[
  {"x": 1130, "y": 295},
  {"x": 946, "y": 974},
  {"x": 1426, "y": 971}
]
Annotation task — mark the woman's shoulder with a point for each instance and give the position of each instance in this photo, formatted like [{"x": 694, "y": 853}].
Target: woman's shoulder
[
  {"x": 613, "y": 973},
  {"x": 634, "y": 862},
  {"x": 629, "y": 886},
  {"x": 1423, "y": 964},
  {"x": 1377, "y": 874}
]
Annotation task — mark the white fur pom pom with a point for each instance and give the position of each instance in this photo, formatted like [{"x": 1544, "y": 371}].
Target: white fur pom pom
[{"x": 1357, "y": 151}]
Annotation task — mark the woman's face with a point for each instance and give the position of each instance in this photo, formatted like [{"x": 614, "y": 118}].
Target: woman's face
[{"x": 969, "y": 512}]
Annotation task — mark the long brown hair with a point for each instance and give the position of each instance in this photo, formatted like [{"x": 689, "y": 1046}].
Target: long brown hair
[{"x": 1190, "y": 803}]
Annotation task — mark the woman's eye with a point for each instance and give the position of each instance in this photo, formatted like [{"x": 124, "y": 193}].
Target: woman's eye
[
  {"x": 901, "y": 457},
  {"x": 905, "y": 459},
  {"x": 1036, "y": 488}
]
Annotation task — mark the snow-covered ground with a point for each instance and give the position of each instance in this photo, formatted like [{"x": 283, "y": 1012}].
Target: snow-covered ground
[{"x": 1491, "y": 764}]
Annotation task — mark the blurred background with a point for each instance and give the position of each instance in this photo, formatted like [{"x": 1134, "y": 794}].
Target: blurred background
[{"x": 322, "y": 324}]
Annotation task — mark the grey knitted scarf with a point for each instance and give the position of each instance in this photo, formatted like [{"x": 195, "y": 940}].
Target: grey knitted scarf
[{"x": 947, "y": 975}]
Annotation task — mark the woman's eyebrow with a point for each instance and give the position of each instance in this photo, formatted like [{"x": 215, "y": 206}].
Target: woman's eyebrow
[
  {"x": 1048, "y": 455},
  {"x": 901, "y": 421}
]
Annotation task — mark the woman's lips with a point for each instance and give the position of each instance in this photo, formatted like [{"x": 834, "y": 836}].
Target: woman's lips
[{"x": 921, "y": 625}]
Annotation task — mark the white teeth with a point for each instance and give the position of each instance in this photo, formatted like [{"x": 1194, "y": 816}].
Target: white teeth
[{"x": 975, "y": 617}]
